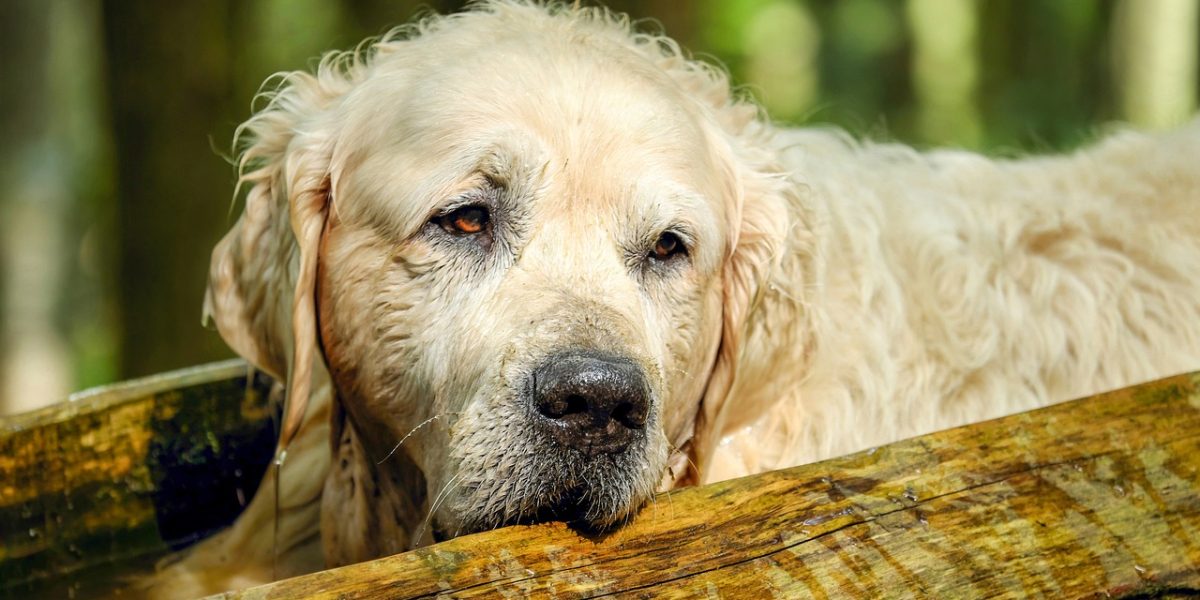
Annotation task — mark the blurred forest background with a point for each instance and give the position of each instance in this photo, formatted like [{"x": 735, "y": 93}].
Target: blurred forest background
[{"x": 117, "y": 119}]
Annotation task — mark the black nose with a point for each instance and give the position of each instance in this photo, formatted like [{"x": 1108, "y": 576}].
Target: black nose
[{"x": 591, "y": 402}]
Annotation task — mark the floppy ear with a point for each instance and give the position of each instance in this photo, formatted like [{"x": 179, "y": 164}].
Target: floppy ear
[
  {"x": 760, "y": 218},
  {"x": 262, "y": 274}
]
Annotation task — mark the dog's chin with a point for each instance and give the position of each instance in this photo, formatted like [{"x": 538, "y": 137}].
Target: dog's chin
[
  {"x": 572, "y": 508},
  {"x": 595, "y": 497}
]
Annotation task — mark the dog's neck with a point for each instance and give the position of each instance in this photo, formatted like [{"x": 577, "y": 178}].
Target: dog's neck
[{"x": 370, "y": 507}]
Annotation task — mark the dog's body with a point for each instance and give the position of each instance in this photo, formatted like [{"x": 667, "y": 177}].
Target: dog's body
[
  {"x": 796, "y": 294},
  {"x": 955, "y": 288}
]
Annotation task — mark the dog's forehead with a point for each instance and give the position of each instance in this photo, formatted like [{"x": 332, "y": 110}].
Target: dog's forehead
[
  {"x": 597, "y": 115},
  {"x": 584, "y": 100}
]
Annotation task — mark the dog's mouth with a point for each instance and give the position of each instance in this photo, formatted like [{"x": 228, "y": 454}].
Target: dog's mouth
[
  {"x": 572, "y": 508},
  {"x": 592, "y": 495},
  {"x": 579, "y": 444}
]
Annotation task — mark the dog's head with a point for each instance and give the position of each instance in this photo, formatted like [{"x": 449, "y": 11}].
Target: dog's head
[{"x": 528, "y": 234}]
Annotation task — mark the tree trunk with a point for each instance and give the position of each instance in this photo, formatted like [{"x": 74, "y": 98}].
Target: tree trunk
[{"x": 171, "y": 89}]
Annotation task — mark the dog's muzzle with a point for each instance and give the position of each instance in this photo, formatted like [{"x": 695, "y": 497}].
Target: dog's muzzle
[{"x": 589, "y": 402}]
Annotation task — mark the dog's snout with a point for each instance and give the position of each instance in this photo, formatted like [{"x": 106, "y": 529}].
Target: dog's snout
[{"x": 593, "y": 403}]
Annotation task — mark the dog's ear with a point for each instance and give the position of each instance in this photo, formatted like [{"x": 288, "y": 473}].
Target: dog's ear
[
  {"x": 759, "y": 217},
  {"x": 261, "y": 280}
]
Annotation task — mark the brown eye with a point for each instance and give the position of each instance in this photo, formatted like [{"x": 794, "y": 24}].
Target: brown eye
[
  {"x": 668, "y": 245},
  {"x": 465, "y": 221}
]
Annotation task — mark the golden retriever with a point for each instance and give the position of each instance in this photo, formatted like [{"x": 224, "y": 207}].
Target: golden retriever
[{"x": 527, "y": 263}]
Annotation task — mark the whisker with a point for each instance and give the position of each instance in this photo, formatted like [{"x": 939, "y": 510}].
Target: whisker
[
  {"x": 409, "y": 434},
  {"x": 654, "y": 503},
  {"x": 510, "y": 508},
  {"x": 437, "y": 502},
  {"x": 672, "y": 450}
]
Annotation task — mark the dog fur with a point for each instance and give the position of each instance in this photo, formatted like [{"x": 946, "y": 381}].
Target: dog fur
[{"x": 836, "y": 294}]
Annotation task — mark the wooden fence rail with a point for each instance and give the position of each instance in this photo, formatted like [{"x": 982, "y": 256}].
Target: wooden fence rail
[
  {"x": 95, "y": 489},
  {"x": 1093, "y": 498}
]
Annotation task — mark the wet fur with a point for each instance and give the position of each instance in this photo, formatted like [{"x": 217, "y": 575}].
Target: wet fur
[{"x": 841, "y": 294}]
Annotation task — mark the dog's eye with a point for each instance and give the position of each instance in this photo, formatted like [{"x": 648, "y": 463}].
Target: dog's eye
[
  {"x": 668, "y": 245},
  {"x": 467, "y": 220}
]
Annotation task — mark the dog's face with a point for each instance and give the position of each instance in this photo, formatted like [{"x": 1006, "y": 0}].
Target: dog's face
[
  {"x": 525, "y": 247},
  {"x": 530, "y": 237}
]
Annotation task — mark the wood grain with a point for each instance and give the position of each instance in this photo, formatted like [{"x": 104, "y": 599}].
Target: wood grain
[
  {"x": 123, "y": 474},
  {"x": 1093, "y": 498}
]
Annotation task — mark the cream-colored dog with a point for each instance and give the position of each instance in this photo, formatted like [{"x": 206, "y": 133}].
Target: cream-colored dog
[{"x": 524, "y": 263}]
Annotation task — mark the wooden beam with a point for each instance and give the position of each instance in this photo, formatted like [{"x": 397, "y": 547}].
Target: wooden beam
[
  {"x": 99, "y": 486},
  {"x": 1097, "y": 497},
  {"x": 1093, "y": 497}
]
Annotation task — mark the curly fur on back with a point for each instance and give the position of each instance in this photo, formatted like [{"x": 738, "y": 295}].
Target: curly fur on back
[{"x": 957, "y": 288}]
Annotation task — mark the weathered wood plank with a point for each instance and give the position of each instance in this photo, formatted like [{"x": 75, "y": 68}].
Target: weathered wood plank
[
  {"x": 125, "y": 473},
  {"x": 1097, "y": 496},
  {"x": 1090, "y": 498}
]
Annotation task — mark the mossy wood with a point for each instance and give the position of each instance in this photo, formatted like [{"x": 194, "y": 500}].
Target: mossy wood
[
  {"x": 98, "y": 487},
  {"x": 1085, "y": 499},
  {"x": 1093, "y": 498}
]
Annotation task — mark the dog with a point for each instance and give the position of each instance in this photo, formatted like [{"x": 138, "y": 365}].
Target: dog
[{"x": 526, "y": 262}]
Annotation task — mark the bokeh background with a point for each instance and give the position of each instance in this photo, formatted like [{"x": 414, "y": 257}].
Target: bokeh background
[{"x": 116, "y": 119}]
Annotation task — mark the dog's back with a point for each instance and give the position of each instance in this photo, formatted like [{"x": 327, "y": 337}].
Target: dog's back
[{"x": 956, "y": 288}]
